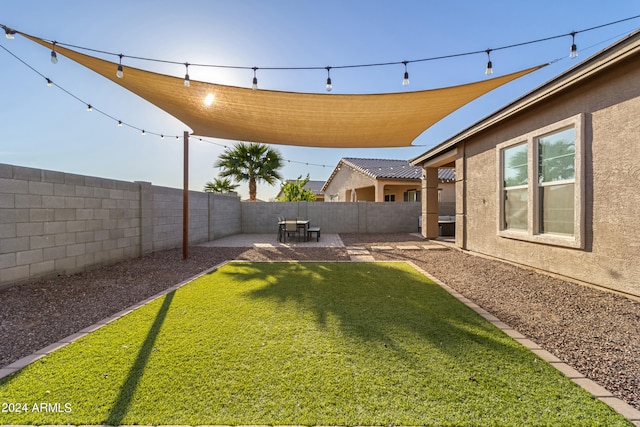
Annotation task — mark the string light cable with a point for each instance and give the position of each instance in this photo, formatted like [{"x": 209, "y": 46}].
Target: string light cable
[
  {"x": 9, "y": 32},
  {"x": 120, "y": 123},
  {"x": 91, "y": 108}
]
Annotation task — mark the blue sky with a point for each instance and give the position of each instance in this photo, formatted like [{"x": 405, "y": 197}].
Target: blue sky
[{"x": 43, "y": 127}]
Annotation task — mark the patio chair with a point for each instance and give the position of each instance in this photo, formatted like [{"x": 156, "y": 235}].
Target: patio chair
[
  {"x": 291, "y": 226},
  {"x": 280, "y": 228}
]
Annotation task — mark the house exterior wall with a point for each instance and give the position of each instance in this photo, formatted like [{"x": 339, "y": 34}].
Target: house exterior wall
[
  {"x": 447, "y": 202},
  {"x": 346, "y": 179},
  {"x": 610, "y": 107}
]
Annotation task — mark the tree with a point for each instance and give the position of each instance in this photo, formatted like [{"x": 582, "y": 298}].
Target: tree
[
  {"x": 253, "y": 163},
  {"x": 220, "y": 186},
  {"x": 295, "y": 191}
]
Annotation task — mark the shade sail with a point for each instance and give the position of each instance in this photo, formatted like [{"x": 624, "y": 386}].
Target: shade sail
[{"x": 304, "y": 119}]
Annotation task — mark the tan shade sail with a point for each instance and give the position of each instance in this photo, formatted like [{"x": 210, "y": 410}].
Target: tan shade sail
[{"x": 304, "y": 119}]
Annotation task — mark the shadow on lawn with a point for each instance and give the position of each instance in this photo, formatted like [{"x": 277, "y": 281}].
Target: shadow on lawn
[
  {"x": 375, "y": 301},
  {"x": 121, "y": 405}
]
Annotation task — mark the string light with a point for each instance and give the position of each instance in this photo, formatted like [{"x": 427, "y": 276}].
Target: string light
[
  {"x": 405, "y": 79},
  {"x": 254, "y": 84},
  {"x": 187, "y": 82},
  {"x": 489, "y": 69},
  {"x": 573, "y": 53},
  {"x": 120, "y": 72},
  {"x": 120, "y": 123},
  {"x": 329, "y": 85},
  {"x": 54, "y": 57}
]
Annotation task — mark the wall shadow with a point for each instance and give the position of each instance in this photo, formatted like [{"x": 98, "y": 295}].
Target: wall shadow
[{"x": 122, "y": 403}]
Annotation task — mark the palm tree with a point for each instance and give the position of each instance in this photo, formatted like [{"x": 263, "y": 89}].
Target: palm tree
[
  {"x": 220, "y": 186},
  {"x": 251, "y": 162}
]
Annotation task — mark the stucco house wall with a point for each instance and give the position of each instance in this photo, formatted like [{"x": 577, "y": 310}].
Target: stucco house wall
[
  {"x": 346, "y": 179},
  {"x": 607, "y": 105}
]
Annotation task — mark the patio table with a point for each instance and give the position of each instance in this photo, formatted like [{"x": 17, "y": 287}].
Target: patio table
[{"x": 301, "y": 223}]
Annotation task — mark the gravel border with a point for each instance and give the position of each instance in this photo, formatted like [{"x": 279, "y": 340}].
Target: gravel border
[{"x": 596, "y": 332}]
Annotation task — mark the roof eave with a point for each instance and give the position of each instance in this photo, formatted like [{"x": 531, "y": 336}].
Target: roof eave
[{"x": 584, "y": 70}]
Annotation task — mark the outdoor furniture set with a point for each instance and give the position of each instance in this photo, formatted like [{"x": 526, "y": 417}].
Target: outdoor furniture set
[{"x": 289, "y": 226}]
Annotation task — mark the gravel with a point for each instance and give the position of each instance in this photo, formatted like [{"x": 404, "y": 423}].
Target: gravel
[{"x": 597, "y": 332}]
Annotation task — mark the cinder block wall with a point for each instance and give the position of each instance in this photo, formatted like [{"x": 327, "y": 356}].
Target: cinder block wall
[
  {"x": 59, "y": 223},
  {"x": 335, "y": 217},
  {"x": 166, "y": 217},
  {"x": 55, "y": 222}
]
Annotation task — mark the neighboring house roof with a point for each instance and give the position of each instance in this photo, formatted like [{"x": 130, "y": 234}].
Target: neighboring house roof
[
  {"x": 590, "y": 67},
  {"x": 315, "y": 186},
  {"x": 388, "y": 169}
]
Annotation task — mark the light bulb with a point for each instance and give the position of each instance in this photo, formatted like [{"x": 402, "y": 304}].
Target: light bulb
[
  {"x": 573, "y": 53},
  {"x": 329, "y": 84},
  {"x": 89, "y": 108},
  {"x": 54, "y": 57},
  {"x": 161, "y": 136},
  {"x": 254, "y": 83},
  {"x": 9, "y": 33},
  {"x": 489, "y": 69},
  {"x": 187, "y": 82},
  {"x": 49, "y": 82},
  {"x": 143, "y": 132},
  {"x": 405, "y": 80},
  {"x": 120, "y": 72},
  {"x": 119, "y": 123}
]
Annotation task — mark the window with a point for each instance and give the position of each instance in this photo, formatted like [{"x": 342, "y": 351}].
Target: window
[
  {"x": 390, "y": 198},
  {"x": 556, "y": 182},
  {"x": 540, "y": 185},
  {"x": 515, "y": 174},
  {"x": 412, "y": 196}
]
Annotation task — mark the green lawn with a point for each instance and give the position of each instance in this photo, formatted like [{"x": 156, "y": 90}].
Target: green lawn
[{"x": 301, "y": 344}]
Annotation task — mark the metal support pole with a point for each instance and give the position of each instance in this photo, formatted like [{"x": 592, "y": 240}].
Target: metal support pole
[{"x": 185, "y": 200}]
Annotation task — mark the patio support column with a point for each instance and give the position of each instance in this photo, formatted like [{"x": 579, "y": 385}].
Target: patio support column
[
  {"x": 185, "y": 200},
  {"x": 430, "y": 204},
  {"x": 379, "y": 191}
]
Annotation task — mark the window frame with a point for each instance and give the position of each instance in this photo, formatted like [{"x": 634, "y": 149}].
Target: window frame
[
  {"x": 504, "y": 189},
  {"x": 532, "y": 233}
]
